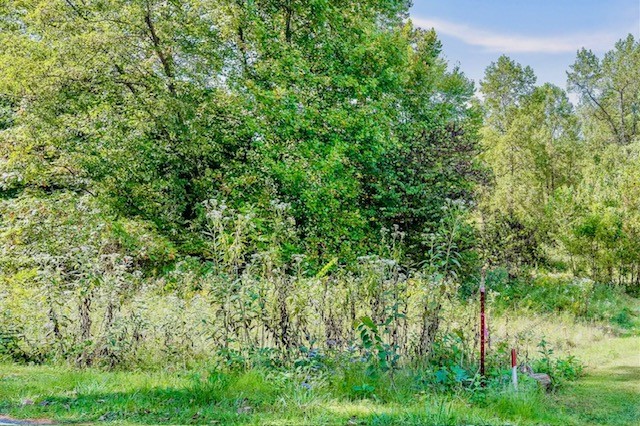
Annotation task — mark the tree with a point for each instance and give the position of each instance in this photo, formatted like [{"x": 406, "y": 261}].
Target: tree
[
  {"x": 506, "y": 83},
  {"x": 532, "y": 147},
  {"x": 504, "y": 88},
  {"x": 609, "y": 89},
  {"x": 155, "y": 107}
]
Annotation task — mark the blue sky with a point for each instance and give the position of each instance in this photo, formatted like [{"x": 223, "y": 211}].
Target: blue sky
[{"x": 544, "y": 34}]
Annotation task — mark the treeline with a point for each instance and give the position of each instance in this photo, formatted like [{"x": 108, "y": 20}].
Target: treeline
[
  {"x": 565, "y": 180},
  {"x": 179, "y": 177}
]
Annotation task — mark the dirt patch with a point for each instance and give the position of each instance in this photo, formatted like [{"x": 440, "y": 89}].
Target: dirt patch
[{"x": 6, "y": 420}]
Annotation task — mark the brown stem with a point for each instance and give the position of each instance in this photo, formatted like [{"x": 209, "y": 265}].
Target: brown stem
[{"x": 165, "y": 58}]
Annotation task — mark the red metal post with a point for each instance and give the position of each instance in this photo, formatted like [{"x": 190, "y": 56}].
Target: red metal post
[
  {"x": 514, "y": 369},
  {"x": 482, "y": 328},
  {"x": 487, "y": 333}
]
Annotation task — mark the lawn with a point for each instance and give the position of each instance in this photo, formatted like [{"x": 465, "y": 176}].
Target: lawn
[{"x": 607, "y": 395}]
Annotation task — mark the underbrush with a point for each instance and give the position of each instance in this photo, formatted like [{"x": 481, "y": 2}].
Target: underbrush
[
  {"x": 250, "y": 331},
  {"x": 580, "y": 298},
  {"x": 364, "y": 380},
  {"x": 76, "y": 289}
]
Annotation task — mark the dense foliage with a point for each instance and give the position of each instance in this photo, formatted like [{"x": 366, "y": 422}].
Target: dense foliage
[
  {"x": 338, "y": 109},
  {"x": 564, "y": 188},
  {"x": 299, "y": 184},
  {"x": 252, "y": 161}
]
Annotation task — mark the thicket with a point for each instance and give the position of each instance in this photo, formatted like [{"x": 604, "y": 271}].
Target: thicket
[
  {"x": 247, "y": 163},
  {"x": 564, "y": 179},
  {"x": 338, "y": 109}
]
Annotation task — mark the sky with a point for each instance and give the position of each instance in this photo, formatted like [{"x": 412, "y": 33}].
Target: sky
[{"x": 544, "y": 34}]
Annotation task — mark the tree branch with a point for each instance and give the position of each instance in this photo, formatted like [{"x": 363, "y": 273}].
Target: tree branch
[{"x": 608, "y": 117}]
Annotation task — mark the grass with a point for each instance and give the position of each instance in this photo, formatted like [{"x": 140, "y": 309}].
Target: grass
[
  {"x": 610, "y": 393},
  {"x": 607, "y": 395}
]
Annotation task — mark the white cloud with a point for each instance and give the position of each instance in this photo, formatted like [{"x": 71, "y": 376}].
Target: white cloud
[{"x": 512, "y": 43}]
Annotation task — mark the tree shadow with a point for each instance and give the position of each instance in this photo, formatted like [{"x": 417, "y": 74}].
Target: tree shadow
[
  {"x": 147, "y": 406},
  {"x": 607, "y": 397}
]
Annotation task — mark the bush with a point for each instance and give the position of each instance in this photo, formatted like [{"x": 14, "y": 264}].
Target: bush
[
  {"x": 560, "y": 369},
  {"x": 580, "y": 297}
]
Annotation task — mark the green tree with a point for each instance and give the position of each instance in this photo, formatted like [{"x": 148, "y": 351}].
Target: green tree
[
  {"x": 506, "y": 83},
  {"x": 155, "y": 107},
  {"x": 531, "y": 141},
  {"x": 609, "y": 90}
]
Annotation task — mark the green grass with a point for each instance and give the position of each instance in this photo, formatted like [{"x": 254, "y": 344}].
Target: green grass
[
  {"x": 610, "y": 393},
  {"x": 555, "y": 294},
  {"x": 607, "y": 395}
]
